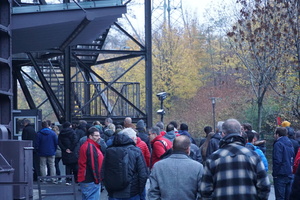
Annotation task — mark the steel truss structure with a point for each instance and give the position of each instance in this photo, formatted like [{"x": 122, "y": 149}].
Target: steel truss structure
[{"x": 61, "y": 54}]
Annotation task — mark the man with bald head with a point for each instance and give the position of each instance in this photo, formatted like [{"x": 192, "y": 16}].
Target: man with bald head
[
  {"x": 233, "y": 171},
  {"x": 128, "y": 123},
  {"x": 178, "y": 169}
]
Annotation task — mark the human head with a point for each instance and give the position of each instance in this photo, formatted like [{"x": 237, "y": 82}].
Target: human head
[
  {"x": 154, "y": 132},
  {"x": 285, "y": 123},
  {"x": 251, "y": 136},
  {"x": 207, "y": 129},
  {"x": 231, "y": 126},
  {"x": 170, "y": 127},
  {"x": 182, "y": 143},
  {"x": 82, "y": 122},
  {"x": 26, "y": 121},
  {"x": 174, "y": 124},
  {"x": 140, "y": 125},
  {"x": 160, "y": 125},
  {"x": 127, "y": 122},
  {"x": 93, "y": 134},
  {"x": 130, "y": 133},
  {"x": 49, "y": 123},
  {"x": 219, "y": 127},
  {"x": 45, "y": 124},
  {"x": 112, "y": 127},
  {"x": 108, "y": 121},
  {"x": 247, "y": 127},
  {"x": 279, "y": 132},
  {"x": 55, "y": 129},
  {"x": 96, "y": 123},
  {"x": 119, "y": 128},
  {"x": 184, "y": 127},
  {"x": 66, "y": 125}
]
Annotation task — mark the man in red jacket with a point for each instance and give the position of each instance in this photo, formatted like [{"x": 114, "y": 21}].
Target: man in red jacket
[
  {"x": 159, "y": 144},
  {"x": 90, "y": 163}
]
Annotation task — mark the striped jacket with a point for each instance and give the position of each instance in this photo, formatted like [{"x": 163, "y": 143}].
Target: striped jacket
[
  {"x": 234, "y": 172},
  {"x": 90, "y": 162}
]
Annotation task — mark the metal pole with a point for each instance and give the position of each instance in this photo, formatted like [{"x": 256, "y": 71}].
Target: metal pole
[
  {"x": 162, "y": 107},
  {"x": 213, "y": 101},
  {"x": 148, "y": 60}
]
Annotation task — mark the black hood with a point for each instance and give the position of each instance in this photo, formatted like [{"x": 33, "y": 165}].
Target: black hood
[
  {"x": 66, "y": 131},
  {"x": 231, "y": 138},
  {"x": 122, "y": 140}
]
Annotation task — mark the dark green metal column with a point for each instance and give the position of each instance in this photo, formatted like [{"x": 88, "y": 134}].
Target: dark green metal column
[
  {"x": 148, "y": 45},
  {"x": 67, "y": 84},
  {"x": 6, "y": 95}
]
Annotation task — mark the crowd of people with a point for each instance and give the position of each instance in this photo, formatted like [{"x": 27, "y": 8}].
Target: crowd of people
[{"x": 229, "y": 163}]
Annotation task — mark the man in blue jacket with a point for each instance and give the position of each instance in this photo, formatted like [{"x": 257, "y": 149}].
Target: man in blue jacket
[
  {"x": 46, "y": 145},
  {"x": 283, "y": 154}
]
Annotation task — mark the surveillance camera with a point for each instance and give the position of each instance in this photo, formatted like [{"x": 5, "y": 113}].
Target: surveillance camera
[
  {"x": 161, "y": 112},
  {"x": 162, "y": 95}
]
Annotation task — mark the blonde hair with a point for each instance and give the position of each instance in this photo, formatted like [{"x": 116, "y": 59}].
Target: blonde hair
[
  {"x": 112, "y": 127},
  {"x": 55, "y": 129}
]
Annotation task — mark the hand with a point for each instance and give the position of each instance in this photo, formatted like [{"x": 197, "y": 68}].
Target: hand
[{"x": 68, "y": 151}]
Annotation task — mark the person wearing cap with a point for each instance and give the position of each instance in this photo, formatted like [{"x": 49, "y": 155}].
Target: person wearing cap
[
  {"x": 142, "y": 134},
  {"x": 285, "y": 124}
]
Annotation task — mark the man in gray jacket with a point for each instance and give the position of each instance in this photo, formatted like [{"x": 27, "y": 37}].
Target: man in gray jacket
[{"x": 178, "y": 169}]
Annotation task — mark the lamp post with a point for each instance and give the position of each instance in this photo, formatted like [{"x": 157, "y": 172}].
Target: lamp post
[
  {"x": 213, "y": 102},
  {"x": 161, "y": 96}
]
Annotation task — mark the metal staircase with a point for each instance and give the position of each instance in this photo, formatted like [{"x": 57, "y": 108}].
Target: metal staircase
[{"x": 65, "y": 71}]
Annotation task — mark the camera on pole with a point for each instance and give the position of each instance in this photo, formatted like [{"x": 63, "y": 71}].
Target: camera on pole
[{"x": 161, "y": 96}]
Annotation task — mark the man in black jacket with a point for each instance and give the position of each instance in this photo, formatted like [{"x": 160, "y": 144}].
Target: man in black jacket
[
  {"x": 135, "y": 165},
  {"x": 29, "y": 133}
]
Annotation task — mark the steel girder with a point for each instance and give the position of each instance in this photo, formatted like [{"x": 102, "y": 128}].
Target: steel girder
[{"x": 68, "y": 55}]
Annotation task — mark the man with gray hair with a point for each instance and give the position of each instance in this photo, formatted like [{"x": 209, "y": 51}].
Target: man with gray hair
[
  {"x": 177, "y": 169},
  {"x": 233, "y": 171}
]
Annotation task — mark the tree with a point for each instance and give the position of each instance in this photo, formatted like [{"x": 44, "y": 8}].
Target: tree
[{"x": 259, "y": 41}]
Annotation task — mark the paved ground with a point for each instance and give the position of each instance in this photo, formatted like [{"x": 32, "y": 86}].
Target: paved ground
[
  {"x": 61, "y": 187},
  {"x": 47, "y": 188}
]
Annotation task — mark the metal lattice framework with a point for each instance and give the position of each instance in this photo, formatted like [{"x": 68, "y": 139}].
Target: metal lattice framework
[
  {"x": 60, "y": 55},
  {"x": 5, "y": 70},
  {"x": 167, "y": 12}
]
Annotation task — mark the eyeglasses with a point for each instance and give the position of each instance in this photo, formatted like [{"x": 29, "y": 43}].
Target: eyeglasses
[{"x": 96, "y": 135}]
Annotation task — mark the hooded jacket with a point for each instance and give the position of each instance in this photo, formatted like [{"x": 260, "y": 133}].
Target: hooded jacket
[
  {"x": 46, "y": 142},
  {"x": 170, "y": 135},
  {"x": 67, "y": 140},
  {"x": 137, "y": 168},
  {"x": 29, "y": 133},
  {"x": 259, "y": 152},
  {"x": 234, "y": 172},
  {"x": 213, "y": 144},
  {"x": 283, "y": 154}
]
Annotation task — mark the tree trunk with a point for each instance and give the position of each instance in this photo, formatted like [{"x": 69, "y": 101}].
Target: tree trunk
[{"x": 259, "y": 113}]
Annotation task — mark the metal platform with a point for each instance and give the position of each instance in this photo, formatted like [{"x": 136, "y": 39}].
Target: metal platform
[{"x": 56, "y": 26}]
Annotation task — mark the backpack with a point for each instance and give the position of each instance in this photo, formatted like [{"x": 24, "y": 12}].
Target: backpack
[
  {"x": 167, "y": 153},
  {"x": 296, "y": 162},
  {"x": 116, "y": 168}
]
